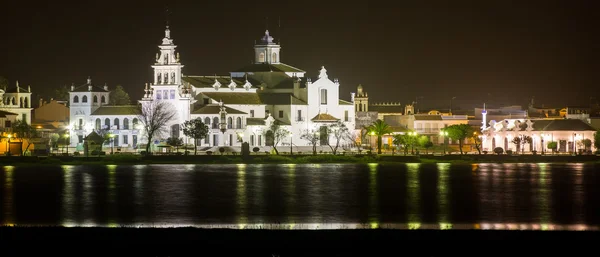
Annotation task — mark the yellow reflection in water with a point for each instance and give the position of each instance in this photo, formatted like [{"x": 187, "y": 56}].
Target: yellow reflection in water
[
  {"x": 68, "y": 196},
  {"x": 545, "y": 195},
  {"x": 9, "y": 218},
  {"x": 414, "y": 194},
  {"x": 138, "y": 183},
  {"x": 88, "y": 198},
  {"x": 373, "y": 194},
  {"x": 241, "y": 197},
  {"x": 442, "y": 186}
]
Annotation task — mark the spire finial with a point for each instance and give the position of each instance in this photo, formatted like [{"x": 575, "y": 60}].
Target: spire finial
[{"x": 89, "y": 80}]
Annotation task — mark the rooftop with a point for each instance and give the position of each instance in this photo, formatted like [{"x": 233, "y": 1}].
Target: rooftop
[{"x": 116, "y": 110}]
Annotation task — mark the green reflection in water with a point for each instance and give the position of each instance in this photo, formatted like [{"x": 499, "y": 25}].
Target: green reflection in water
[
  {"x": 68, "y": 196},
  {"x": 112, "y": 195},
  {"x": 442, "y": 197},
  {"x": 290, "y": 190},
  {"x": 8, "y": 211},
  {"x": 414, "y": 194},
  {"x": 241, "y": 197},
  {"x": 373, "y": 196}
]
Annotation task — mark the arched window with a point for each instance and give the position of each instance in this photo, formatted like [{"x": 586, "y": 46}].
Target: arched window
[
  {"x": 98, "y": 124},
  {"x": 25, "y": 102},
  {"x": 107, "y": 123},
  {"x": 14, "y": 101},
  {"x": 21, "y": 102},
  {"x": 126, "y": 123},
  {"x": 215, "y": 123},
  {"x": 261, "y": 57},
  {"x": 116, "y": 123},
  {"x": 84, "y": 99},
  {"x": 95, "y": 99},
  {"x": 135, "y": 123},
  {"x": 76, "y": 99},
  {"x": 158, "y": 78},
  {"x": 274, "y": 57},
  {"x": 207, "y": 121},
  {"x": 323, "y": 96},
  {"x": 165, "y": 94},
  {"x": 238, "y": 123},
  {"x": 103, "y": 99},
  {"x": 229, "y": 123}
]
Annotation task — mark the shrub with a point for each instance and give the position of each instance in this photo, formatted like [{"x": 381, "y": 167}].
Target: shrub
[{"x": 498, "y": 150}]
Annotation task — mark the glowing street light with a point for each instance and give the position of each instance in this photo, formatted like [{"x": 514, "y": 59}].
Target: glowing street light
[
  {"x": 444, "y": 134},
  {"x": 8, "y": 144}
]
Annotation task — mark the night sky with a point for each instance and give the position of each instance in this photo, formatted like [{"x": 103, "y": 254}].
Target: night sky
[{"x": 500, "y": 52}]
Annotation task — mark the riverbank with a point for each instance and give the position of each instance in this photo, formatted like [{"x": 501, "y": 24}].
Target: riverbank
[
  {"x": 161, "y": 241},
  {"x": 295, "y": 159}
]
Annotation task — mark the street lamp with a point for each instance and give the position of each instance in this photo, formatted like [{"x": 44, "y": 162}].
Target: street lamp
[
  {"x": 444, "y": 134},
  {"x": 67, "y": 142},
  {"x": 291, "y": 143},
  {"x": 8, "y": 145},
  {"x": 112, "y": 142}
]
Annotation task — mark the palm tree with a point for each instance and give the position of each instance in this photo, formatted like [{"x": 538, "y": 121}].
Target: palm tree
[{"x": 379, "y": 128}]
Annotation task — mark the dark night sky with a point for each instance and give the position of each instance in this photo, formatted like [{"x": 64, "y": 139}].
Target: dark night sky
[{"x": 493, "y": 51}]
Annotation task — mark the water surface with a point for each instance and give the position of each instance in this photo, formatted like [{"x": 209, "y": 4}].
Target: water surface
[{"x": 311, "y": 196}]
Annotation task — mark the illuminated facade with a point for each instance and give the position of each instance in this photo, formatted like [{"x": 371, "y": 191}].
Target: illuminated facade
[{"x": 569, "y": 134}]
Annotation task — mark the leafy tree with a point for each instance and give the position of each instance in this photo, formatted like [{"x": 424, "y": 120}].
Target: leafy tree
[
  {"x": 339, "y": 130},
  {"x": 425, "y": 143},
  {"x": 119, "y": 96},
  {"x": 379, "y": 128},
  {"x": 312, "y": 136},
  {"x": 195, "y": 129},
  {"x": 3, "y": 83},
  {"x": 154, "y": 117},
  {"x": 552, "y": 145},
  {"x": 276, "y": 133},
  {"x": 176, "y": 142},
  {"x": 62, "y": 93},
  {"x": 477, "y": 141},
  {"x": 587, "y": 144},
  {"x": 459, "y": 132},
  {"x": 24, "y": 132},
  {"x": 54, "y": 141},
  {"x": 402, "y": 141}
]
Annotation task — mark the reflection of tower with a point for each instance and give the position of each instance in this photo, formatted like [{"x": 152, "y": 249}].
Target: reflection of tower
[
  {"x": 483, "y": 118},
  {"x": 361, "y": 100}
]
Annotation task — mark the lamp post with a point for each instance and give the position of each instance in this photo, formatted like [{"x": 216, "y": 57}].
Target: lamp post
[
  {"x": 67, "y": 142},
  {"x": 451, "y": 99},
  {"x": 444, "y": 134},
  {"x": 372, "y": 133},
  {"x": 8, "y": 145},
  {"x": 112, "y": 143},
  {"x": 291, "y": 144},
  {"x": 542, "y": 141}
]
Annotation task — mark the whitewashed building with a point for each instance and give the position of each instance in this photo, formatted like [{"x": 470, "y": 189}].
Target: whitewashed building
[
  {"x": 89, "y": 111},
  {"x": 238, "y": 107},
  {"x": 16, "y": 100},
  {"x": 567, "y": 133}
]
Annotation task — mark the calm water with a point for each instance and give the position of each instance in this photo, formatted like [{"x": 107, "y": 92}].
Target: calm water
[{"x": 312, "y": 196}]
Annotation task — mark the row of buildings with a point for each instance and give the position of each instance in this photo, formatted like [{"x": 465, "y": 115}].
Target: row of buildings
[{"x": 241, "y": 106}]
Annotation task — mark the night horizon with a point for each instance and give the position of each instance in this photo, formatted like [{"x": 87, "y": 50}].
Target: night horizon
[{"x": 397, "y": 54}]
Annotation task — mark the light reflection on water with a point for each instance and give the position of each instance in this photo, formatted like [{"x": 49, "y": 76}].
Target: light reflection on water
[{"x": 307, "y": 196}]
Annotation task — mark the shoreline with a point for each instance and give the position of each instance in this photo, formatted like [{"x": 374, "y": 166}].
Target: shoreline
[{"x": 294, "y": 159}]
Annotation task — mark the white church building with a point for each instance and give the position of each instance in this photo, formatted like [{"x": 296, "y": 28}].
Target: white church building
[{"x": 238, "y": 107}]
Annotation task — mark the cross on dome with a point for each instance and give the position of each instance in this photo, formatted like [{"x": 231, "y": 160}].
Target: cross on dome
[{"x": 267, "y": 39}]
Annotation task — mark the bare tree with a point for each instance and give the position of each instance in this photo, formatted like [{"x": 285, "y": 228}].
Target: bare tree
[
  {"x": 339, "y": 130},
  {"x": 25, "y": 132},
  {"x": 312, "y": 136},
  {"x": 275, "y": 134},
  {"x": 154, "y": 117}
]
